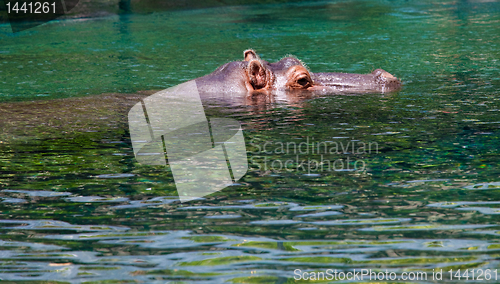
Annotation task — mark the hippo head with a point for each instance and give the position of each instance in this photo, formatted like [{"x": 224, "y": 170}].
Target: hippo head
[
  {"x": 290, "y": 74},
  {"x": 287, "y": 74},
  {"x": 254, "y": 75}
]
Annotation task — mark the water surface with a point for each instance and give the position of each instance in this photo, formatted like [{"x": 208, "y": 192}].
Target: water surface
[{"x": 422, "y": 194}]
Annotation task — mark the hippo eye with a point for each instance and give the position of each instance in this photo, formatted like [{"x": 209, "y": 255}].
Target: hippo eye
[
  {"x": 303, "y": 82},
  {"x": 298, "y": 78}
]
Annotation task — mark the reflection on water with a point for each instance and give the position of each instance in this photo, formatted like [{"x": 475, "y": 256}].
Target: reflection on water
[
  {"x": 227, "y": 249},
  {"x": 77, "y": 207}
]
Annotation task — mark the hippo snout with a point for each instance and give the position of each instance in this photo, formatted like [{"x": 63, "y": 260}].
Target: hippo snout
[
  {"x": 386, "y": 80},
  {"x": 377, "y": 81}
]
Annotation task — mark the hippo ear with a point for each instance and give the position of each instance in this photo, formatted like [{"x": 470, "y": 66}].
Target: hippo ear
[
  {"x": 250, "y": 54},
  {"x": 257, "y": 75}
]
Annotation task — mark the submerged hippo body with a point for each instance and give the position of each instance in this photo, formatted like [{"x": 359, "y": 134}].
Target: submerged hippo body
[{"x": 253, "y": 75}]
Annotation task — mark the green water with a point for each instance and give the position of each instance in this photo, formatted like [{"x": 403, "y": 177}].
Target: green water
[{"x": 78, "y": 208}]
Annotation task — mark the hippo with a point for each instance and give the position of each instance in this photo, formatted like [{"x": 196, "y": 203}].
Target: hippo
[{"x": 254, "y": 75}]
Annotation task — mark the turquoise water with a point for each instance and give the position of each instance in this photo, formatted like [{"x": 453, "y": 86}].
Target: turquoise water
[{"x": 421, "y": 195}]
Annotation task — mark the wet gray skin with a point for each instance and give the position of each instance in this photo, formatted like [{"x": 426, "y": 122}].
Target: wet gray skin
[{"x": 255, "y": 75}]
